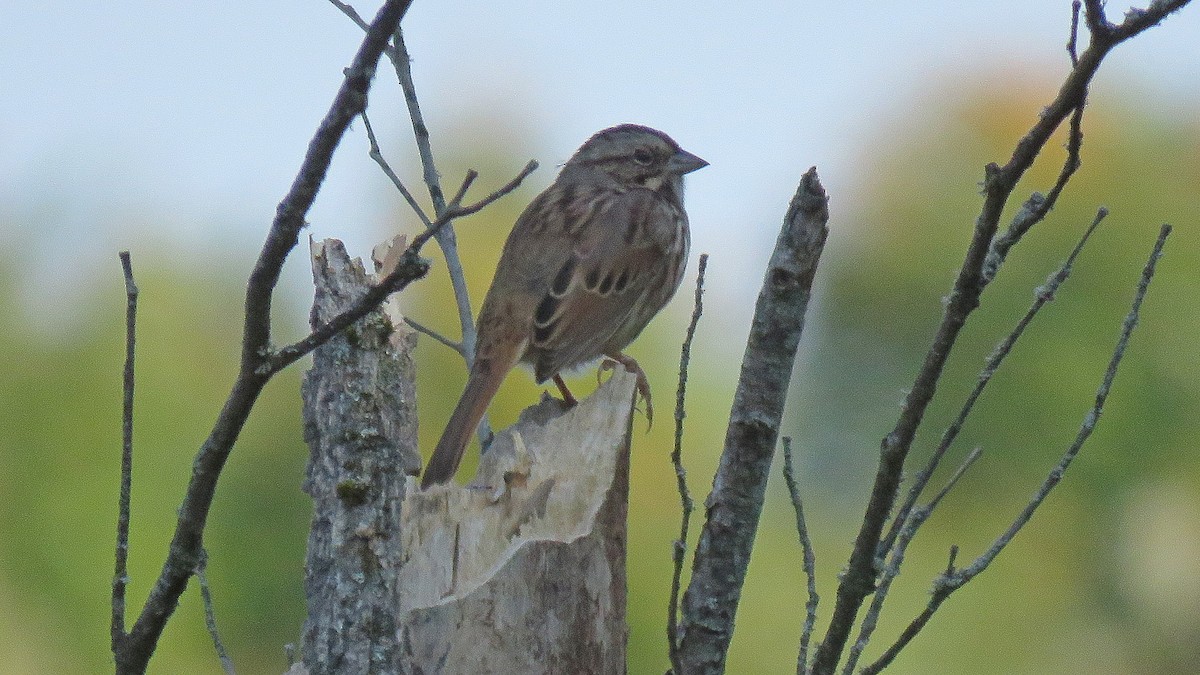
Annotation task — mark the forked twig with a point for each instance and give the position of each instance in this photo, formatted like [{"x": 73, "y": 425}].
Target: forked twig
[
  {"x": 951, "y": 580},
  {"x": 409, "y": 268},
  {"x": 1042, "y": 296},
  {"x": 398, "y": 54},
  {"x": 445, "y": 238},
  {"x": 915, "y": 520},
  {"x": 1000, "y": 181},
  {"x": 133, "y": 651}
]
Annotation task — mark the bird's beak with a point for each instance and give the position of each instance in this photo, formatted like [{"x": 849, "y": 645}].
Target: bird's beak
[{"x": 685, "y": 162}]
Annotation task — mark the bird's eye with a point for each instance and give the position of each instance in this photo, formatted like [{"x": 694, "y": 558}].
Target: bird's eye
[{"x": 643, "y": 156}]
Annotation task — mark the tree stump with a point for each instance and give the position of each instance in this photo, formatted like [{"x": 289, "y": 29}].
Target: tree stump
[{"x": 520, "y": 571}]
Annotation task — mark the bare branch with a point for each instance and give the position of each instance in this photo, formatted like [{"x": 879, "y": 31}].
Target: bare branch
[
  {"x": 377, "y": 155},
  {"x": 735, "y": 503},
  {"x": 210, "y": 617},
  {"x": 1090, "y": 420},
  {"x": 951, "y": 580},
  {"x": 360, "y": 22},
  {"x": 1093, "y": 15},
  {"x": 435, "y": 335},
  {"x": 409, "y": 267},
  {"x": 121, "y": 567},
  {"x": 472, "y": 174},
  {"x": 907, "y": 520},
  {"x": 861, "y": 571},
  {"x": 1042, "y": 296},
  {"x": 915, "y": 520},
  {"x": 809, "y": 558},
  {"x": 446, "y": 238},
  {"x": 1138, "y": 20},
  {"x": 403, "y": 64},
  {"x": 135, "y": 650},
  {"x": 1035, "y": 209},
  {"x": 455, "y": 211},
  {"x": 967, "y": 462},
  {"x": 679, "y": 546},
  {"x": 1072, "y": 40}
]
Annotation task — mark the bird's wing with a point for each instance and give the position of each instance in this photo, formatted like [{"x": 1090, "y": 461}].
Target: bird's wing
[{"x": 600, "y": 281}]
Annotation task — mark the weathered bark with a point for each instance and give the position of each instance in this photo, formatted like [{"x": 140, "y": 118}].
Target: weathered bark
[
  {"x": 733, "y": 507},
  {"x": 360, "y": 425},
  {"x": 522, "y": 571}
]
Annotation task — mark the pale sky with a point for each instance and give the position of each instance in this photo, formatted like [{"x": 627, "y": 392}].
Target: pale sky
[{"x": 199, "y": 112}]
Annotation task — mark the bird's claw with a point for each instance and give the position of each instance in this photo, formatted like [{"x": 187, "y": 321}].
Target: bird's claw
[{"x": 643, "y": 385}]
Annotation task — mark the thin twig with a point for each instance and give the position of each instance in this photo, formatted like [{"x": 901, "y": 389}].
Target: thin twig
[
  {"x": 377, "y": 155},
  {"x": 1090, "y": 419},
  {"x": 434, "y": 334},
  {"x": 472, "y": 174},
  {"x": 910, "y": 631},
  {"x": 861, "y": 571},
  {"x": 134, "y": 652},
  {"x": 403, "y": 65},
  {"x": 912, "y": 524},
  {"x": 679, "y": 546},
  {"x": 808, "y": 556},
  {"x": 409, "y": 268},
  {"x": 121, "y": 567},
  {"x": 1042, "y": 296},
  {"x": 1071, "y": 41},
  {"x": 1036, "y": 208},
  {"x": 969, "y": 460},
  {"x": 358, "y": 21},
  {"x": 210, "y": 617},
  {"x": 446, "y": 237},
  {"x": 952, "y": 579}
]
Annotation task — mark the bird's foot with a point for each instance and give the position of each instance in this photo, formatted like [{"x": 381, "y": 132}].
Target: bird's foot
[
  {"x": 643, "y": 385},
  {"x": 568, "y": 398}
]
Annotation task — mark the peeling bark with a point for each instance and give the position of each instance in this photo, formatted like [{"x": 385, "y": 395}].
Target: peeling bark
[{"x": 523, "y": 570}]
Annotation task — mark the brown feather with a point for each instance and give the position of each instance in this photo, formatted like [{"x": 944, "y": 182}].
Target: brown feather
[{"x": 587, "y": 265}]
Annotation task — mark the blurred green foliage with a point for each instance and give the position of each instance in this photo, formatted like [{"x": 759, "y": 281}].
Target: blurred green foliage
[
  {"x": 59, "y": 464},
  {"x": 1104, "y": 580}
]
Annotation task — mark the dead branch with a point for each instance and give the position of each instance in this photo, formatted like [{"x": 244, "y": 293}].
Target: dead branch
[
  {"x": 132, "y": 650},
  {"x": 733, "y": 507},
  {"x": 859, "y": 579},
  {"x": 953, "y": 579}
]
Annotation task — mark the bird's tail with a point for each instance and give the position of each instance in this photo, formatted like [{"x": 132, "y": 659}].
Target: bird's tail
[{"x": 482, "y": 385}]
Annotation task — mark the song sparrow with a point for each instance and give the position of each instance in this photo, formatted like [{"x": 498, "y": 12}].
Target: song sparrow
[{"x": 591, "y": 260}]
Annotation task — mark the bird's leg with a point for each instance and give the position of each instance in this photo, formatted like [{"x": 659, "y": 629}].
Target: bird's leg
[
  {"x": 568, "y": 397},
  {"x": 643, "y": 385}
]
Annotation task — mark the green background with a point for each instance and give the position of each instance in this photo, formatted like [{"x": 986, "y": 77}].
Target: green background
[{"x": 1106, "y": 578}]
